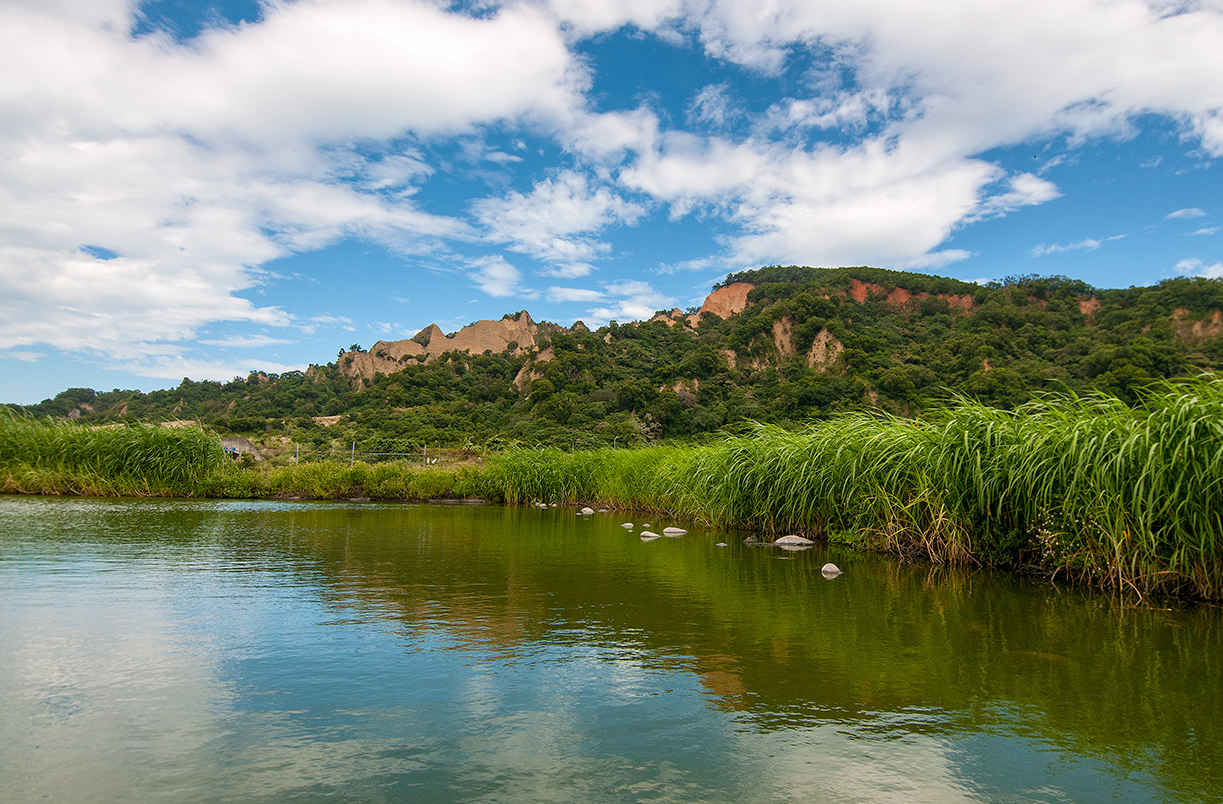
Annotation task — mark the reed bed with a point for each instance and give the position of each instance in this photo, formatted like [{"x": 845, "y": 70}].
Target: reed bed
[
  {"x": 1080, "y": 485},
  {"x": 50, "y": 457},
  {"x": 332, "y": 480}
]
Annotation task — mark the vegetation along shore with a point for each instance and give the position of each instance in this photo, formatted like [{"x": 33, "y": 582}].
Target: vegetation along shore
[{"x": 1128, "y": 496}]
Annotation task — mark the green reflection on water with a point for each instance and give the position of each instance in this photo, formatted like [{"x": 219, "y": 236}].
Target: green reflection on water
[{"x": 486, "y": 653}]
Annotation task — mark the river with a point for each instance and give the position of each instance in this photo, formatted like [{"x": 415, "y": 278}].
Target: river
[{"x": 221, "y": 651}]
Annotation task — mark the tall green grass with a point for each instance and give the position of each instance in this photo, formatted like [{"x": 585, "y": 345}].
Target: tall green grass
[
  {"x": 392, "y": 480},
  {"x": 50, "y": 457},
  {"x": 1129, "y": 497}
]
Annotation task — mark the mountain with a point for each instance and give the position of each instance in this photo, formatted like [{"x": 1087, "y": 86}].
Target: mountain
[{"x": 774, "y": 344}]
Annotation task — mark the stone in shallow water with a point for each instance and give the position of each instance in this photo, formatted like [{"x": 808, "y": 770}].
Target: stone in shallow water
[
  {"x": 673, "y": 531},
  {"x": 649, "y": 536},
  {"x": 627, "y": 525},
  {"x": 796, "y": 541},
  {"x": 586, "y": 511},
  {"x": 720, "y": 544},
  {"x": 830, "y": 570}
]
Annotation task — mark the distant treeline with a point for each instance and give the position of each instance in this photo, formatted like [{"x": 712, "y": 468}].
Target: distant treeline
[{"x": 910, "y": 342}]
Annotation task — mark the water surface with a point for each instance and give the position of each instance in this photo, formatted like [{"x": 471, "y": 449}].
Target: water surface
[{"x": 259, "y": 651}]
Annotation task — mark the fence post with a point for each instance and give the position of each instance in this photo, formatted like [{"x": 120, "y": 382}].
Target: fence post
[
  {"x": 353, "y": 455},
  {"x": 424, "y": 455}
]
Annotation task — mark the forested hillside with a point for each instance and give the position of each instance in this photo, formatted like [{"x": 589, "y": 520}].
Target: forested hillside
[{"x": 806, "y": 343}]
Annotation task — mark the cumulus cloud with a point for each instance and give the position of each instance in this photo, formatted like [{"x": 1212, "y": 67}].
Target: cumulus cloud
[
  {"x": 190, "y": 165},
  {"x": 629, "y": 301},
  {"x": 555, "y": 221},
  {"x": 869, "y": 204},
  {"x": 941, "y": 86},
  {"x": 496, "y": 277}
]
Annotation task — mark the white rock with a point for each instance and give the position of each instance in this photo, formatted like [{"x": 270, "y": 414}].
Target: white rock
[
  {"x": 720, "y": 544},
  {"x": 587, "y": 511},
  {"x": 627, "y": 526},
  {"x": 673, "y": 531},
  {"x": 648, "y": 536},
  {"x": 831, "y": 570},
  {"x": 793, "y": 540}
]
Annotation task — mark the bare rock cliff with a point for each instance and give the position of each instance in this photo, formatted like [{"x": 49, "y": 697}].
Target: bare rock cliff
[{"x": 516, "y": 334}]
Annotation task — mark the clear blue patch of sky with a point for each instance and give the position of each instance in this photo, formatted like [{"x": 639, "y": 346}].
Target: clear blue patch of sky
[
  {"x": 186, "y": 19},
  {"x": 100, "y": 253}
]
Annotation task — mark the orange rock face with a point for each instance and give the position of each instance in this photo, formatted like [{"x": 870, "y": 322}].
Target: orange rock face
[
  {"x": 477, "y": 338},
  {"x": 725, "y": 302}
]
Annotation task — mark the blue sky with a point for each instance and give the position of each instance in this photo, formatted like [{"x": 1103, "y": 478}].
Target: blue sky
[{"x": 196, "y": 188}]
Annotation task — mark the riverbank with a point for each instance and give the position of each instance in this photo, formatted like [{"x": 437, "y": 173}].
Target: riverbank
[{"x": 1129, "y": 498}]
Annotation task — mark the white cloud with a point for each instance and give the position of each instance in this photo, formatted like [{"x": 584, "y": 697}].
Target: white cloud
[
  {"x": 1206, "y": 230},
  {"x": 1024, "y": 190},
  {"x": 1189, "y": 212},
  {"x": 1087, "y": 244},
  {"x": 712, "y": 106},
  {"x": 496, "y": 277},
  {"x": 868, "y": 204},
  {"x": 553, "y": 222},
  {"x": 23, "y": 356},
  {"x": 172, "y": 367},
  {"x": 196, "y": 163},
  {"x": 243, "y": 341},
  {"x": 558, "y": 295},
  {"x": 1196, "y": 267},
  {"x": 933, "y": 261},
  {"x": 941, "y": 84},
  {"x": 632, "y": 300}
]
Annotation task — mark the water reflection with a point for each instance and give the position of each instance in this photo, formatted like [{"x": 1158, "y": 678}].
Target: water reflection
[{"x": 247, "y": 651}]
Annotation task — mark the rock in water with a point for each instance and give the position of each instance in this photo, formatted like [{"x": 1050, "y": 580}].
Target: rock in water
[
  {"x": 720, "y": 544},
  {"x": 831, "y": 570},
  {"x": 627, "y": 526},
  {"x": 673, "y": 531},
  {"x": 587, "y": 511},
  {"x": 793, "y": 540},
  {"x": 647, "y": 536}
]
